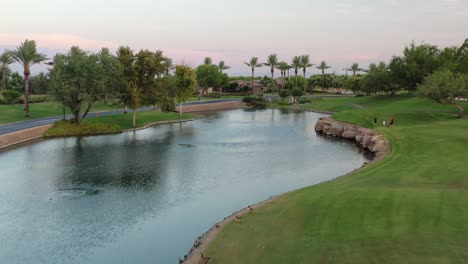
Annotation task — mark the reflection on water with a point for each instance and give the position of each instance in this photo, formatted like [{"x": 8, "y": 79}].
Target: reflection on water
[{"x": 143, "y": 197}]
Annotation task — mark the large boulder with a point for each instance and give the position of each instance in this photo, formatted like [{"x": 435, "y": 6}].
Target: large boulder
[
  {"x": 366, "y": 141},
  {"x": 336, "y": 129},
  {"x": 349, "y": 134}
]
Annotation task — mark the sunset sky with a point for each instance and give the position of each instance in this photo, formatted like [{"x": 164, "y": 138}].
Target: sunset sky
[{"x": 340, "y": 32}]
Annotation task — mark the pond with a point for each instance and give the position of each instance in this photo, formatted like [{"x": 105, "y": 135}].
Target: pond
[{"x": 145, "y": 196}]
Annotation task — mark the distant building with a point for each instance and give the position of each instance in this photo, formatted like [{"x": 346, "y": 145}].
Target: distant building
[{"x": 202, "y": 92}]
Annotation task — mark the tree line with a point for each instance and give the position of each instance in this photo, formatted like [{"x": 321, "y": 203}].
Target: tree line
[{"x": 78, "y": 78}]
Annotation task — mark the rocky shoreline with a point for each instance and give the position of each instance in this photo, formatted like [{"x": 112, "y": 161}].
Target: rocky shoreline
[{"x": 367, "y": 138}]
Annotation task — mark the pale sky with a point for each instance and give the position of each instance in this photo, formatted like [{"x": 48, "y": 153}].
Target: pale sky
[{"x": 340, "y": 32}]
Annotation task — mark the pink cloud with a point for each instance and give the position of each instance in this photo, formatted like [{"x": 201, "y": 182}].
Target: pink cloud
[{"x": 56, "y": 41}]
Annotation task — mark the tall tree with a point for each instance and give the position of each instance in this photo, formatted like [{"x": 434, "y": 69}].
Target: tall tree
[
  {"x": 283, "y": 67},
  {"x": 208, "y": 75},
  {"x": 77, "y": 81},
  {"x": 296, "y": 64},
  {"x": 272, "y": 62},
  {"x": 445, "y": 86},
  {"x": 185, "y": 84},
  {"x": 355, "y": 68},
  {"x": 305, "y": 63},
  {"x": 253, "y": 63},
  {"x": 27, "y": 55},
  {"x": 131, "y": 96},
  {"x": 222, "y": 66},
  {"x": 323, "y": 66},
  {"x": 168, "y": 65},
  {"x": 160, "y": 61},
  {"x": 207, "y": 61},
  {"x": 110, "y": 72},
  {"x": 5, "y": 60}
]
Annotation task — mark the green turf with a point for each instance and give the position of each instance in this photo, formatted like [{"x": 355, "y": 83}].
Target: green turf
[
  {"x": 411, "y": 207},
  {"x": 111, "y": 123},
  {"x": 142, "y": 119},
  {"x": 15, "y": 113},
  {"x": 67, "y": 128}
]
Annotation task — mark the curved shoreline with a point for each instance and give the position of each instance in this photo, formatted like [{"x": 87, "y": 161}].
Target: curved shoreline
[{"x": 203, "y": 242}]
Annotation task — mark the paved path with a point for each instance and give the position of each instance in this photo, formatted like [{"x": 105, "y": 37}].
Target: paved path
[{"x": 12, "y": 127}]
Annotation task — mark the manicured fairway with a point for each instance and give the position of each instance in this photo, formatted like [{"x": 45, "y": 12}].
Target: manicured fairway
[{"x": 411, "y": 207}]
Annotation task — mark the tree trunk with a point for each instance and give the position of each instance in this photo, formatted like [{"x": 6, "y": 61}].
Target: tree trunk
[
  {"x": 305, "y": 83},
  {"x": 180, "y": 109},
  {"x": 253, "y": 70},
  {"x": 284, "y": 81},
  {"x": 272, "y": 81},
  {"x": 4, "y": 79},
  {"x": 295, "y": 73},
  {"x": 90, "y": 104},
  {"x": 134, "y": 118},
  {"x": 76, "y": 114},
  {"x": 26, "y": 95}
]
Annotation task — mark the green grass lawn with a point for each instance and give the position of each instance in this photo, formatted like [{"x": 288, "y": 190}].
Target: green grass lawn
[
  {"x": 411, "y": 207},
  {"x": 111, "y": 123},
  {"x": 15, "y": 113},
  {"x": 142, "y": 119}
]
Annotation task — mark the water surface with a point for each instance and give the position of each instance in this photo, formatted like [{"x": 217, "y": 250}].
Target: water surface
[{"x": 145, "y": 196}]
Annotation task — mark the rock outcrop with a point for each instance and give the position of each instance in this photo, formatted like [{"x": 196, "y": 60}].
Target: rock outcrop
[{"x": 365, "y": 137}]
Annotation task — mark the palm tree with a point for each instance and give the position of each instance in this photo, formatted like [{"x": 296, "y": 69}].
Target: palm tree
[
  {"x": 253, "y": 63},
  {"x": 289, "y": 68},
  {"x": 305, "y": 63},
  {"x": 283, "y": 67},
  {"x": 355, "y": 68},
  {"x": 323, "y": 66},
  {"x": 272, "y": 62},
  {"x": 168, "y": 65},
  {"x": 26, "y": 54},
  {"x": 296, "y": 64},
  {"x": 5, "y": 60},
  {"x": 207, "y": 61},
  {"x": 222, "y": 66}
]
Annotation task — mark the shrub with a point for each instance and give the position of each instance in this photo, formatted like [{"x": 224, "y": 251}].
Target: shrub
[
  {"x": 305, "y": 101},
  {"x": 296, "y": 92},
  {"x": 259, "y": 104},
  {"x": 213, "y": 95},
  {"x": 39, "y": 98},
  {"x": 11, "y": 96},
  {"x": 284, "y": 93},
  {"x": 248, "y": 99}
]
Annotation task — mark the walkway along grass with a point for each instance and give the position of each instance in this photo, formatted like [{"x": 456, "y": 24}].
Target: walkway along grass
[{"x": 411, "y": 207}]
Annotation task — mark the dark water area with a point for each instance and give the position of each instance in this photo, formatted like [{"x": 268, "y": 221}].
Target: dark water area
[{"x": 145, "y": 196}]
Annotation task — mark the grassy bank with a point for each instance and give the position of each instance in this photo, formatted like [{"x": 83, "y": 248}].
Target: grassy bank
[
  {"x": 15, "y": 113},
  {"x": 110, "y": 124},
  {"x": 411, "y": 207}
]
